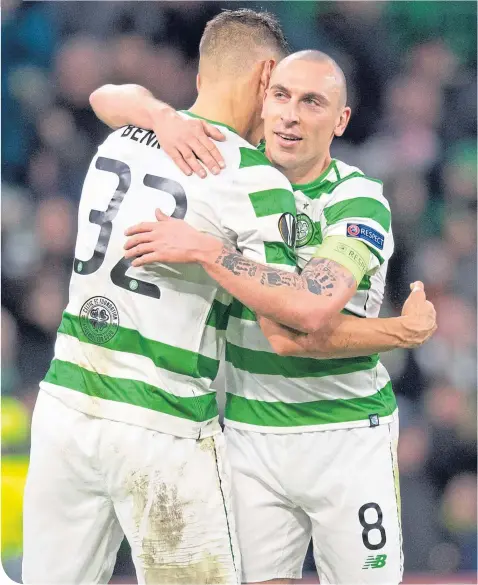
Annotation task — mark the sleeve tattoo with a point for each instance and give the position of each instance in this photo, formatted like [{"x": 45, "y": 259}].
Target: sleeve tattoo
[{"x": 320, "y": 277}]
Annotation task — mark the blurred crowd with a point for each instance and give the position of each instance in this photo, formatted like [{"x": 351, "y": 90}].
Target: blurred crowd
[{"x": 411, "y": 69}]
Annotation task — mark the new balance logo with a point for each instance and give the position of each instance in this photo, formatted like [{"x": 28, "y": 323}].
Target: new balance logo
[{"x": 375, "y": 562}]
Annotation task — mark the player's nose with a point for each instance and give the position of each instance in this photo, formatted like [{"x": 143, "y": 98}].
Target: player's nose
[{"x": 290, "y": 114}]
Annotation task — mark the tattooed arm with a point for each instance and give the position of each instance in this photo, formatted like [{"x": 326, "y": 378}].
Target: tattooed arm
[
  {"x": 319, "y": 293},
  {"x": 304, "y": 302}
]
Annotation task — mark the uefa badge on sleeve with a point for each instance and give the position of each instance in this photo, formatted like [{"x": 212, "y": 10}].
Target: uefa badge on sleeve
[{"x": 288, "y": 229}]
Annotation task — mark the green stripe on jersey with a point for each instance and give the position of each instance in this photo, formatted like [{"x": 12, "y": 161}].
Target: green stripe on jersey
[
  {"x": 252, "y": 158},
  {"x": 319, "y": 187},
  {"x": 319, "y": 412},
  {"x": 268, "y": 363},
  {"x": 354, "y": 175},
  {"x": 240, "y": 311},
  {"x": 167, "y": 357},
  {"x": 365, "y": 283},
  {"x": 279, "y": 253},
  {"x": 336, "y": 169},
  {"x": 196, "y": 408},
  {"x": 272, "y": 201},
  {"x": 376, "y": 254},
  {"x": 359, "y": 207},
  {"x": 317, "y": 238},
  {"x": 218, "y": 315}
]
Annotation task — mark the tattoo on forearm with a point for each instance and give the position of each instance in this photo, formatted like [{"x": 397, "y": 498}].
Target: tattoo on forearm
[
  {"x": 320, "y": 276},
  {"x": 237, "y": 264},
  {"x": 271, "y": 277},
  {"x": 323, "y": 275},
  {"x": 233, "y": 262}
]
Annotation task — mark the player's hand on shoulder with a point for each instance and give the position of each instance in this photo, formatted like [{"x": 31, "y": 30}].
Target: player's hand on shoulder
[
  {"x": 167, "y": 240},
  {"x": 189, "y": 142},
  {"x": 419, "y": 317}
]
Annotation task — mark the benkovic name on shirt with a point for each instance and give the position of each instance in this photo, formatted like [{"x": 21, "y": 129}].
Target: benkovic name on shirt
[{"x": 141, "y": 135}]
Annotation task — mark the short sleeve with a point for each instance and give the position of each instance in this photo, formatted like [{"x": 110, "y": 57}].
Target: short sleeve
[{"x": 358, "y": 210}]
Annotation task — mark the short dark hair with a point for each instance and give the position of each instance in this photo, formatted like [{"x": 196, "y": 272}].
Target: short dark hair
[{"x": 263, "y": 27}]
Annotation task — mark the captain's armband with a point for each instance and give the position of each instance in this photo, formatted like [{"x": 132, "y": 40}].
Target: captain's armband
[{"x": 351, "y": 254}]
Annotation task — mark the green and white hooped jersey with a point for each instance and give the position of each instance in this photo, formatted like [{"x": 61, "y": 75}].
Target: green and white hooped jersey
[
  {"x": 142, "y": 345},
  {"x": 271, "y": 393}
]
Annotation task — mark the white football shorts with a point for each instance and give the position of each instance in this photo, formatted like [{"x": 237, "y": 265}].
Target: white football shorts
[
  {"x": 339, "y": 487},
  {"x": 91, "y": 481}
]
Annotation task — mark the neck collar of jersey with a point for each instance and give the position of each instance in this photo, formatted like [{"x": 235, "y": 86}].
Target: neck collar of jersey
[
  {"x": 187, "y": 112},
  {"x": 320, "y": 178}
]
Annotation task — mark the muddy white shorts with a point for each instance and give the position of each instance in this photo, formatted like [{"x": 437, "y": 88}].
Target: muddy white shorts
[
  {"x": 91, "y": 481},
  {"x": 339, "y": 487}
]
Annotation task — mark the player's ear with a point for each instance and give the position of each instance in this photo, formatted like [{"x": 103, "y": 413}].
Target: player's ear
[
  {"x": 267, "y": 68},
  {"x": 264, "y": 104},
  {"x": 264, "y": 98},
  {"x": 342, "y": 121}
]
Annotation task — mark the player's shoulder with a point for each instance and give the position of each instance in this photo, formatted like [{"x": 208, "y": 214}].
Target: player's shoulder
[
  {"x": 346, "y": 172},
  {"x": 356, "y": 201},
  {"x": 242, "y": 158},
  {"x": 253, "y": 180},
  {"x": 230, "y": 148},
  {"x": 255, "y": 171},
  {"x": 132, "y": 141},
  {"x": 351, "y": 181}
]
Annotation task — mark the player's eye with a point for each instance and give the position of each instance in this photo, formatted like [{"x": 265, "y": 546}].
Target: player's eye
[
  {"x": 312, "y": 102},
  {"x": 279, "y": 95}
]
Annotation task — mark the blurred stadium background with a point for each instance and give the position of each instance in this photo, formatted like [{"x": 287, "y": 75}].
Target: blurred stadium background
[{"x": 411, "y": 68}]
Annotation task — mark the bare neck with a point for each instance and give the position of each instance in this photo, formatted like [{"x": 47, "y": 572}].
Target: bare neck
[
  {"x": 301, "y": 175},
  {"x": 223, "y": 104}
]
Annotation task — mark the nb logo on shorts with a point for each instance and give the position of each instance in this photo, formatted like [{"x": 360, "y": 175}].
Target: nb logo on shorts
[{"x": 375, "y": 562}]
